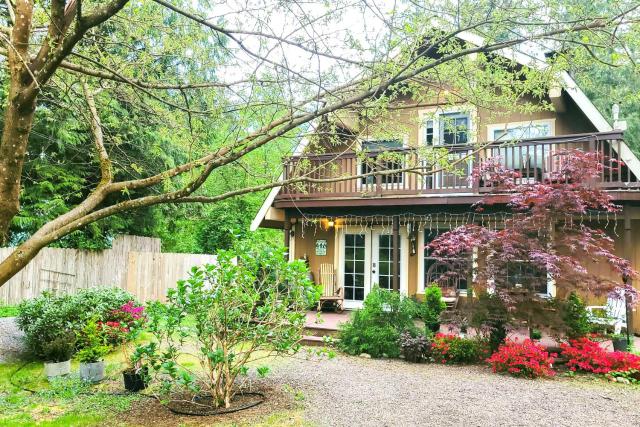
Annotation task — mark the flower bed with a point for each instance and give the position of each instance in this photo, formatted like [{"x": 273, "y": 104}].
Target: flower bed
[{"x": 523, "y": 359}]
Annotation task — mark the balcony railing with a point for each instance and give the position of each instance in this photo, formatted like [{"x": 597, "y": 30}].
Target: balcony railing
[{"x": 404, "y": 171}]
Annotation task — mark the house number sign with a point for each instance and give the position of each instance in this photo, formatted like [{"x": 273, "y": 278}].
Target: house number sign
[{"x": 321, "y": 247}]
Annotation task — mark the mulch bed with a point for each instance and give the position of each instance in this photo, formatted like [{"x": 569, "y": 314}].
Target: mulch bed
[{"x": 151, "y": 412}]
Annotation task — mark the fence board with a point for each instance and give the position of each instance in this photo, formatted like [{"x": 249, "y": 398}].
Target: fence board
[{"x": 133, "y": 263}]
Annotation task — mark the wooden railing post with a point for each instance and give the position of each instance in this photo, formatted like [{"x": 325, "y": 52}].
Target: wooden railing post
[{"x": 476, "y": 179}]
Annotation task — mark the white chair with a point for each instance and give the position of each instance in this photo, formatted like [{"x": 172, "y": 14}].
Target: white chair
[{"x": 615, "y": 313}]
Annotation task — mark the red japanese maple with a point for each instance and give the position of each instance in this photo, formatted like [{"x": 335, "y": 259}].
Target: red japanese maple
[{"x": 546, "y": 229}]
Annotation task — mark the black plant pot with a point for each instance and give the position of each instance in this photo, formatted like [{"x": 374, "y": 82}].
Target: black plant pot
[
  {"x": 620, "y": 344},
  {"x": 135, "y": 381}
]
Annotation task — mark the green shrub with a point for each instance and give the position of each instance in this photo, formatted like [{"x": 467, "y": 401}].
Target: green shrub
[
  {"x": 575, "y": 317},
  {"x": 48, "y": 317},
  {"x": 59, "y": 348},
  {"x": 92, "y": 341},
  {"x": 249, "y": 304},
  {"x": 431, "y": 308},
  {"x": 376, "y": 328},
  {"x": 448, "y": 348}
]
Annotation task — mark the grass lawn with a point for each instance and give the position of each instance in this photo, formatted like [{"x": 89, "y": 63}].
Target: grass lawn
[
  {"x": 70, "y": 402},
  {"x": 8, "y": 310}
]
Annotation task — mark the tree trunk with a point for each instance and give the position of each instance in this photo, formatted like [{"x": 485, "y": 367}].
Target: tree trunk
[
  {"x": 18, "y": 117},
  {"x": 13, "y": 147}
]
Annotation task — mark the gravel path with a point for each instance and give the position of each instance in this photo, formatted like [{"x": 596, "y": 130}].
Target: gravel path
[
  {"x": 11, "y": 344},
  {"x": 353, "y": 391}
]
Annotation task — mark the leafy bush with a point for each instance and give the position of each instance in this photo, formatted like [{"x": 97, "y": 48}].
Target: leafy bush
[
  {"x": 8, "y": 310},
  {"x": 91, "y": 340},
  {"x": 447, "y": 348},
  {"x": 523, "y": 359},
  {"x": 415, "y": 346},
  {"x": 60, "y": 348},
  {"x": 376, "y": 328},
  {"x": 248, "y": 305},
  {"x": 48, "y": 317},
  {"x": 576, "y": 317},
  {"x": 589, "y": 356},
  {"x": 432, "y": 307}
]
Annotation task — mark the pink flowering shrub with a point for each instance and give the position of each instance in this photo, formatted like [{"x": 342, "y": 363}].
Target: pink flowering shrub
[
  {"x": 448, "y": 348},
  {"x": 121, "y": 321},
  {"x": 523, "y": 359},
  {"x": 589, "y": 356}
]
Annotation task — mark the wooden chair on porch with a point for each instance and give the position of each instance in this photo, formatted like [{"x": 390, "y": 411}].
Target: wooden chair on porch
[{"x": 329, "y": 292}]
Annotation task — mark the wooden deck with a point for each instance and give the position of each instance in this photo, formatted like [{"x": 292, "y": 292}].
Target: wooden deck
[{"x": 535, "y": 159}]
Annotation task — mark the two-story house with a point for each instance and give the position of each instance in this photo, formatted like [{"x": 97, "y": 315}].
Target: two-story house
[{"x": 374, "y": 229}]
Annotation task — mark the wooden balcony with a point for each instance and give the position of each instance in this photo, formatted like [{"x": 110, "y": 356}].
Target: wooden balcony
[{"x": 404, "y": 174}]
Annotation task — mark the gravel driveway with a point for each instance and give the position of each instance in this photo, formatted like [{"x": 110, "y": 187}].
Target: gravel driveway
[
  {"x": 353, "y": 391},
  {"x": 11, "y": 343}
]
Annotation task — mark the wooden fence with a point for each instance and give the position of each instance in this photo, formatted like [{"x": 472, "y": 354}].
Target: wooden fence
[{"x": 133, "y": 263}]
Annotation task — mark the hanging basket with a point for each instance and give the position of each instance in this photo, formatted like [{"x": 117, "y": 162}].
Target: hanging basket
[{"x": 202, "y": 405}]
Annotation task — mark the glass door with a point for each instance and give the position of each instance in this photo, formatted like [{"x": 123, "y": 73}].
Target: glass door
[
  {"x": 355, "y": 268},
  {"x": 382, "y": 260}
]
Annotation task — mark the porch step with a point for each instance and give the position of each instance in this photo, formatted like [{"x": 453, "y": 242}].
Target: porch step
[
  {"x": 320, "y": 330},
  {"x": 312, "y": 340}
]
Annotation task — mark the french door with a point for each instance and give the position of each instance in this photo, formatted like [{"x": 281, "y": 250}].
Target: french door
[{"x": 367, "y": 260}]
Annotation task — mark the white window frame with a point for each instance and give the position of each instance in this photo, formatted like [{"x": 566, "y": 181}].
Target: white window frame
[
  {"x": 526, "y": 123},
  {"x": 389, "y": 186}
]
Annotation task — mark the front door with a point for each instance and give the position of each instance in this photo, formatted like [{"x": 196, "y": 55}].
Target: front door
[{"x": 367, "y": 260}]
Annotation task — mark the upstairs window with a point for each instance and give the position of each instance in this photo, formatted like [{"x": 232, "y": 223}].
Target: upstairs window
[
  {"x": 454, "y": 129},
  {"x": 447, "y": 129}
]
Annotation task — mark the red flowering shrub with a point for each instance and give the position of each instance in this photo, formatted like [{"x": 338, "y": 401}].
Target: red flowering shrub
[
  {"x": 523, "y": 359},
  {"x": 447, "y": 348},
  {"x": 588, "y": 356},
  {"x": 120, "y": 322}
]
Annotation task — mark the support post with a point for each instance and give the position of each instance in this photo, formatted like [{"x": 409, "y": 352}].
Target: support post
[
  {"x": 287, "y": 235},
  {"x": 396, "y": 253},
  {"x": 628, "y": 254}
]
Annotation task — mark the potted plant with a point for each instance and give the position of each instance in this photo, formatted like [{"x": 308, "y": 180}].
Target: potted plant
[
  {"x": 57, "y": 354},
  {"x": 136, "y": 374},
  {"x": 414, "y": 347},
  {"x": 619, "y": 341},
  {"x": 92, "y": 341}
]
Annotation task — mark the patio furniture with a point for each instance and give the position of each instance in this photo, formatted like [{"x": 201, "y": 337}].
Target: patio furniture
[
  {"x": 330, "y": 294},
  {"x": 448, "y": 281},
  {"x": 615, "y": 313}
]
